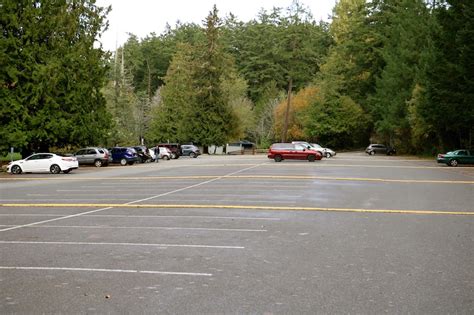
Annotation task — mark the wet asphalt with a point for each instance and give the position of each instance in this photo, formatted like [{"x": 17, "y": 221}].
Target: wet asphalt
[{"x": 240, "y": 234}]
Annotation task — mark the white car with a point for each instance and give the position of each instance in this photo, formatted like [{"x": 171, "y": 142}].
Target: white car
[
  {"x": 44, "y": 162},
  {"x": 165, "y": 153},
  {"x": 327, "y": 152},
  {"x": 310, "y": 146}
]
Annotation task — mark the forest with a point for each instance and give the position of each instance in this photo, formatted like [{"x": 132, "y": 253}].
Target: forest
[{"x": 398, "y": 72}]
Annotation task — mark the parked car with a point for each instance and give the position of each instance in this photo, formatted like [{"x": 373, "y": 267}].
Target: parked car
[
  {"x": 327, "y": 152},
  {"x": 380, "y": 149},
  {"x": 175, "y": 149},
  {"x": 124, "y": 155},
  {"x": 190, "y": 150},
  {"x": 143, "y": 155},
  {"x": 165, "y": 153},
  {"x": 454, "y": 158},
  {"x": 93, "y": 155},
  {"x": 44, "y": 162},
  {"x": 309, "y": 146},
  {"x": 292, "y": 151}
]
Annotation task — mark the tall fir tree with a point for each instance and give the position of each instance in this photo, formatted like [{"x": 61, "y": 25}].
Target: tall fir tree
[
  {"x": 52, "y": 74},
  {"x": 405, "y": 27},
  {"x": 448, "y": 109},
  {"x": 212, "y": 120},
  {"x": 170, "y": 117},
  {"x": 338, "y": 116}
]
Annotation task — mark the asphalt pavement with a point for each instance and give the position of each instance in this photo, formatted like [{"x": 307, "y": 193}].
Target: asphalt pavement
[{"x": 351, "y": 234}]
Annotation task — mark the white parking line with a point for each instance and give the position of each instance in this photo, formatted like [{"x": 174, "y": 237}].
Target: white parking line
[
  {"x": 122, "y": 244},
  {"x": 126, "y": 192},
  {"x": 139, "y": 216},
  {"x": 110, "y": 270},
  {"x": 144, "y": 228},
  {"x": 68, "y": 199},
  {"x": 132, "y": 202}
]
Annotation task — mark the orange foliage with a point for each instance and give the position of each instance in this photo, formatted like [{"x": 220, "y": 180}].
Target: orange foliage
[{"x": 299, "y": 103}]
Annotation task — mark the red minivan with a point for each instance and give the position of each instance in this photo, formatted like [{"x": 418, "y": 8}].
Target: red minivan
[{"x": 290, "y": 151}]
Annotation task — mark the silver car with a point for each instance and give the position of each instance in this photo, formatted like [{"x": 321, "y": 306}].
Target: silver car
[
  {"x": 94, "y": 156},
  {"x": 327, "y": 152}
]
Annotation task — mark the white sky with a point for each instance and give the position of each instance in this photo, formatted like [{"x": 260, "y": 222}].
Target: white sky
[{"x": 142, "y": 17}]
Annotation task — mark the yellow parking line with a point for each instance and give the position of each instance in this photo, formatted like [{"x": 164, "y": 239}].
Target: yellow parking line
[
  {"x": 287, "y": 177},
  {"x": 245, "y": 207},
  {"x": 329, "y": 164},
  {"x": 357, "y": 179}
]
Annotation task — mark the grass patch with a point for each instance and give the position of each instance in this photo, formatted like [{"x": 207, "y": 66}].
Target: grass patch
[{"x": 8, "y": 157}]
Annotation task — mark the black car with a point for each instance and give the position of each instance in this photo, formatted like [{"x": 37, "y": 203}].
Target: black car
[
  {"x": 380, "y": 149},
  {"x": 190, "y": 150},
  {"x": 143, "y": 155}
]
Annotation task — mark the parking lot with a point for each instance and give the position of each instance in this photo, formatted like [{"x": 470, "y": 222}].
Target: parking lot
[{"x": 240, "y": 234}]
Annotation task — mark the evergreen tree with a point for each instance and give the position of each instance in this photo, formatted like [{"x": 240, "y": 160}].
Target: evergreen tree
[
  {"x": 406, "y": 29},
  {"x": 51, "y": 74},
  {"x": 274, "y": 46},
  {"x": 170, "y": 117},
  {"x": 122, "y": 104},
  {"x": 203, "y": 99},
  {"x": 449, "y": 109},
  {"x": 149, "y": 59},
  {"x": 337, "y": 115},
  {"x": 354, "y": 61},
  {"x": 212, "y": 121}
]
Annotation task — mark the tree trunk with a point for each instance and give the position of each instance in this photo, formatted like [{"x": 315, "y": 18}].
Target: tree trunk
[{"x": 284, "y": 132}]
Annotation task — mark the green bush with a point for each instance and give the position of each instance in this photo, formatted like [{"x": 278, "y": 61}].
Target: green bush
[{"x": 8, "y": 157}]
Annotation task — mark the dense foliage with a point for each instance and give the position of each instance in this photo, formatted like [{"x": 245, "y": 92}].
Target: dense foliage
[
  {"x": 399, "y": 72},
  {"x": 51, "y": 74}
]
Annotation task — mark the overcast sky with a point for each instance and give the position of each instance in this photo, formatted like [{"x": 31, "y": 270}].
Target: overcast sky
[{"x": 142, "y": 17}]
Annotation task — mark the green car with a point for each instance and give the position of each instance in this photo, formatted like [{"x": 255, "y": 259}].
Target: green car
[{"x": 454, "y": 158}]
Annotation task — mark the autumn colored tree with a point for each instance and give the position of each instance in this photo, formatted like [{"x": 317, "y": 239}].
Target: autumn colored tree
[{"x": 297, "y": 112}]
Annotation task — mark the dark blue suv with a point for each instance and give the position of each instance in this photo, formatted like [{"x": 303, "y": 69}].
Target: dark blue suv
[{"x": 124, "y": 155}]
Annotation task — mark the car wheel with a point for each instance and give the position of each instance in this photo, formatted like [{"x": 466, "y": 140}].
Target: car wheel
[
  {"x": 193, "y": 155},
  {"x": 166, "y": 157},
  {"x": 16, "y": 169},
  {"x": 98, "y": 163},
  {"x": 123, "y": 162},
  {"x": 328, "y": 155},
  {"x": 453, "y": 163},
  {"x": 372, "y": 152},
  {"x": 278, "y": 158},
  {"x": 67, "y": 171},
  {"x": 55, "y": 169},
  {"x": 311, "y": 158}
]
